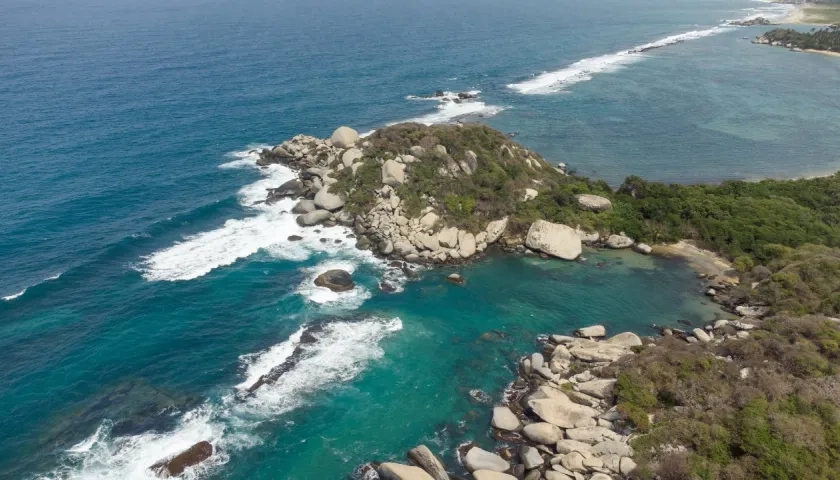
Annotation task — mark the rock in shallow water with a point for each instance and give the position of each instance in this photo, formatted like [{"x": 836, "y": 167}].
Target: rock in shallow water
[
  {"x": 335, "y": 280},
  {"x": 554, "y": 239},
  {"x": 176, "y": 465}
]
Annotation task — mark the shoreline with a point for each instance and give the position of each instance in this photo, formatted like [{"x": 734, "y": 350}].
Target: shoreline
[
  {"x": 706, "y": 263},
  {"x": 810, "y": 14}
]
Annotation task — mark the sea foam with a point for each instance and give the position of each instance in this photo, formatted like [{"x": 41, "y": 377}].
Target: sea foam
[
  {"x": 342, "y": 351},
  {"x": 584, "y": 70}
]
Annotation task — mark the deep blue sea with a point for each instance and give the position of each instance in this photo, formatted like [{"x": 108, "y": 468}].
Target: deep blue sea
[{"x": 143, "y": 286}]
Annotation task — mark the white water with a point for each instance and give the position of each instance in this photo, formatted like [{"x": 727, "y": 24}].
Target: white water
[
  {"x": 19, "y": 294},
  {"x": 448, "y": 110},
  {"x": 342, "y": 352},
  {"x": 584, "y": 70}
]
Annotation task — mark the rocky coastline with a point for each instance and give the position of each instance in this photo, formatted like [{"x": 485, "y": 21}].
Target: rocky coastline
[
  {"x": 388, "y": 228},
  {"x": 560, "y": 419}
]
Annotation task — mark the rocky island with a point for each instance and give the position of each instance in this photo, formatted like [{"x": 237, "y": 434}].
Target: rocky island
[{"x": 826, "y": 40}]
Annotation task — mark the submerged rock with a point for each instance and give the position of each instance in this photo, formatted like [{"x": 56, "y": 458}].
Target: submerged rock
[
  {"x": 175, "y": 466},
  {"x": 456, "y": 279},
  {"x": 335, "y": 280}
]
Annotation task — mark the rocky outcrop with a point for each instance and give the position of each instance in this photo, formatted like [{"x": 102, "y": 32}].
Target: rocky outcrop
[
  {"x": 554, "y": 239},
  {"x": 495, "y": 230},
  {"x": 397, "y": 471},
  {"x": 619, "y": 241},
  {"x": 175, "y": 466},
  {"x": 393, "y": 173},
  {"x": 326, "y": 200},
  {"x": 313, "y": 218},
  {"x": 593, "y": 203},
  {"x": 425, "y": 459},
  {"x": 344, "y": 137},
  {"x": 336, "y": 280},
  {"x": 478, "y": 459},
  {"x": 758, "y": 21}
]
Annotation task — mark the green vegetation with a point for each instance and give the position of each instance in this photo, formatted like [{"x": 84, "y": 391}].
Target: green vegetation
[
  {"x": 823, "y": 39},
  {"x": 780, "y": 422}
]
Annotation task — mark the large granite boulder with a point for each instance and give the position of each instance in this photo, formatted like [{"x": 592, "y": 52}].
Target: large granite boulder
[
  {"x": 326, "y": 200},
  {"x": 619, "y": 241},
  {"x": 592, "y": 331},
  {"x": 529, "y": 194},
  {"x": 598, "y": 351},
  {"x": 612, "y": 447},
  {"x": 542, "y": 432},
  {"x": 428, "y": 242},
  {"x": 393, "y": 173},
  {"x": 554, "y": 239},
  {"x": 491, "y": 475},
  {"x": 593, "y": 203},
  {"x": 428, "y": 220},
  {"x": 592, "y": 435},
  {"x": 175, "y": 466},
  {"x": 495, "y": 230},
  {"x": 625, "y": 339},
  {"x": 335, "y": 280},
  {"x": 398, "y": 471},
  {"x": 530, "y": 457},
  {"x": 599, "y": 388},
  {"x": 466, "y": 244},
  {"x": 349, "y": 157},
  {"x": 304, "y": 206},
  {"x": 504, "y": 419},
  {"x": 564, "y": 413},
  {"x": 448, "y": 237},
  {"x": 313, "y": 218},
  {"x": 478, "y": 459},
  {"x": 292, "y": 188},
  {"x": 568, "y": 446},
  {"x": 344, "y": 137},
  {"x": 425, "y": 459}
]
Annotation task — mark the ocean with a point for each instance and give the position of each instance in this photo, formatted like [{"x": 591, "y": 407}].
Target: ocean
[{"x": 144, "y": 287}]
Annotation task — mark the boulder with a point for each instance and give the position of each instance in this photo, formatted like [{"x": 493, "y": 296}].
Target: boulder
[
  {"x": 504, "y": 419},
  {"x": 417, "y": 151},
  {"x": 612, "y": 447},
  {"x": 335, "y": 280},
  {"x": 554, "y": 239},
  {"x": 466, "y": 242},
  {"x": 591, "y": 435},
  {"x": 625, "y": 339},
  {"x": 491, "y": 475},
  {"x": 626, "y": 466},
  {"x": 600, "y": 476},
  {"x": 349, "y": 157},
  {"x": 398, "y": 471},
  {"x": 329, "y": 201},
  {"x": 642, "y": 248},
  {"x": 404, "y": 248},
  {"x": 429, "y": 242},
  {"x": 593, "y": 203},
  {"x": 313, "y": 218},
  {"x": 552, "y": 475},
  {"x": 478, "y": 459},
  {"x": 619, "y": 241},
  {"x": 564, "y": 413},
  {"x": 495, "y": 229},
  {"x": 393, "y": 173},
  {"x": 428, "y": 220},
  {"x": 292, "y": 188},
  {"x": 573, "y": 462},
  {"x": 569, "y": 446},
  {"x": 598, "y": 351},
  {"x": 593, "y": 331},
  {"x": 529, "y": 194},
  {"x": 344, "y": 137},
  {"x": 542, "y": 433},
  {"x": 530, "y": 457},
  {"x": 701, "y": 335},
  {"x": 448, "y": 237},
  {"x": 425, "y": 459},
  {"x": 600, "y": 388},
  {"x": 587, "y": 237},
  {"x": 175, "y": 466},
  {"x": 457, "y": 279},
  {"x": 304, "y": 206},
  {"x": 472, "y": 160}
]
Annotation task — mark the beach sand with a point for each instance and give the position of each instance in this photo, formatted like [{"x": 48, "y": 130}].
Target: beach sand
[
  {"x": 812, "y": 15},
  {"x": 701, "y": 261}
]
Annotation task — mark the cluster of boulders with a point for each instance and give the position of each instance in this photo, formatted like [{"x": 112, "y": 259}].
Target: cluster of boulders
[
  {"x": 762, "y": 40},
  {"x": 389, "y": 230},
  {"x": 752, "y": 22},
  {"x": 558, "y": 421}
]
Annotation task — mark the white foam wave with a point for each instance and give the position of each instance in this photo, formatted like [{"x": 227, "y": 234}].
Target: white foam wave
[
  {"x": 19, "y": 294},
  {"x": 451, "y": 108},
  {"x": 584, "y": 70},
  {"x": 344, "y": 350}
]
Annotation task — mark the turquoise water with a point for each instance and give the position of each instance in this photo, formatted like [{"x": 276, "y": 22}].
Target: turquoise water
[{"x": 143, "y": 283}]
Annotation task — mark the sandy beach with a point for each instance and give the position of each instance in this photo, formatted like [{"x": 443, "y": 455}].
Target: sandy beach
[
  {"x": 810, "y": 14},
  {"x": 700, "y": 260}
]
